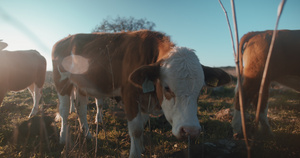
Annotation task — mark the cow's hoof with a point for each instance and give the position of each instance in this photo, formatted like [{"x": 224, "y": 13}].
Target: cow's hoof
[{"x": 33, "y": 112}]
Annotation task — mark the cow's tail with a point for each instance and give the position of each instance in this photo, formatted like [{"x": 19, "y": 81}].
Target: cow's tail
[{"x": 243, "y": 44}]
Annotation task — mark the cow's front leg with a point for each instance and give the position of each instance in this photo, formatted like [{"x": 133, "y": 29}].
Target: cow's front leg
[
  {"x": 81, "y": 107},
  {"x": 136, "y": 130},
  {"x": 264, "y": 123},
  {"x": 236, "y": 122},
  {"x": 265, "y": 128},
  {"x": 64, "y": 106}
]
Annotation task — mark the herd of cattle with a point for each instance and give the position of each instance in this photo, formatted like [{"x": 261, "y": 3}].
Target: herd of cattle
[{"x": 150, "y": 74}]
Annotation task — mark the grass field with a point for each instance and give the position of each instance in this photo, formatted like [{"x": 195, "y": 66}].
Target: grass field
[{"x": 38, "y": 136}]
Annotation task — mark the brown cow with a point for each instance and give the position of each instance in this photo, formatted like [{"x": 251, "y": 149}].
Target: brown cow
[
  {"x": 144, "y": 68},
  {"x": 20, "y": 70},
  {"x": 284, "y": 69}
]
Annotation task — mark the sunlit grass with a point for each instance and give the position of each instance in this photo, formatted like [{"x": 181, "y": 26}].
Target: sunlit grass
[{"x": 113, "y": 139}]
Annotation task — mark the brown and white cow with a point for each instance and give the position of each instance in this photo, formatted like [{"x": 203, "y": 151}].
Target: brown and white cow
[
  {"x": 284, "y": 68},
  {"x": 20, "y": 70},
  {"x": 144, "y": 68}
]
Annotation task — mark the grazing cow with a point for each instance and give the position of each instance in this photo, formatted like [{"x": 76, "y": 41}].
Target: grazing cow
[
  {"x": 284, "y": 69},
  {"x": 20, "y": 70},
  {"x": 144, "y": 68}
]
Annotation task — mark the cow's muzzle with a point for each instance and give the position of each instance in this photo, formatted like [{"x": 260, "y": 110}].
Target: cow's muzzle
[{"x": 192, "y": 131}]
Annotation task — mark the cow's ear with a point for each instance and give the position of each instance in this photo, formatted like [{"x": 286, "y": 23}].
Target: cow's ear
[
  {"x": 3, "y": 45},
  {"x": 145, "y": 76},
  {"x": 215, "y": 77}
]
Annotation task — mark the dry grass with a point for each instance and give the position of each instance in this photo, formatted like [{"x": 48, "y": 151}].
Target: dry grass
[{"x": 36, "y": 139}]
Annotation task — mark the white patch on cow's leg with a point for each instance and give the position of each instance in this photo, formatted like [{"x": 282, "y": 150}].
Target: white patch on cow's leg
[
  {"x": 136, "y": 129},
  {"x": 64, "y": 105},
  {"x": 236, "y": 122},
  {"x": 33, "y": 110},
  {"x": 264, "y": 122},
  {"x": 36, "y": 94},
  {"x": 99, "y": 115},
  {"x": 81, "y": 107},
  {"x": 72, "y": 101}
]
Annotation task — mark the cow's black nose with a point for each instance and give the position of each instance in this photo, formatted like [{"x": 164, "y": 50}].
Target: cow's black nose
[{"x": 192, "y": 131}]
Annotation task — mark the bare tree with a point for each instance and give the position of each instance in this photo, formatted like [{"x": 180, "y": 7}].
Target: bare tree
[{"x": 123, "y": 24}]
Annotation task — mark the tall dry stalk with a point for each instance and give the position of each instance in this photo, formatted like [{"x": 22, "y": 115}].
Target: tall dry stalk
[
  {"x": 261, "y": 90},
  {"x": 236, "y": 56}
]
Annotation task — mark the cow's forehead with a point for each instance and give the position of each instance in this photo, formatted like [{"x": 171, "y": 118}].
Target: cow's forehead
[
  {"x": 182, "y": 69},
  {"x": 182, "y": 63}
]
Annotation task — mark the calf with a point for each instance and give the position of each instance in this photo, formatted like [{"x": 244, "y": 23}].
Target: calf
[
  {"x": 283, "y": 68},
  {"x": 144, "y": 68},
  {"x": 20, "y": 70}
]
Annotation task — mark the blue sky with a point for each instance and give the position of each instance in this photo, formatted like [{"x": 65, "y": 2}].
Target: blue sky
[{"x": 197, "y": 24}]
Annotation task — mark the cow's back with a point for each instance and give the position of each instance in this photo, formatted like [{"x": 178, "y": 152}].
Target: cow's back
[{"x": 285, "y": 57}]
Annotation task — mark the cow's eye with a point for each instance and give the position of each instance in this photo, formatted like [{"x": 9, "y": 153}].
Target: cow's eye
[{"x": 168, "y": 93}]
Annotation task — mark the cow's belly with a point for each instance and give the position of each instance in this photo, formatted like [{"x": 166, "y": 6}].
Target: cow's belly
[
  {"x": 98, "y": 93},
  {"x": 93, "y": 89},
  {"x": 290, "y": 81},
  {"x": 19, "y": 82}
]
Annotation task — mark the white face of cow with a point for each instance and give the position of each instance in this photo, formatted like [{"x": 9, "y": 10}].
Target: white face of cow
[{"x": 181, "y": 78}]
